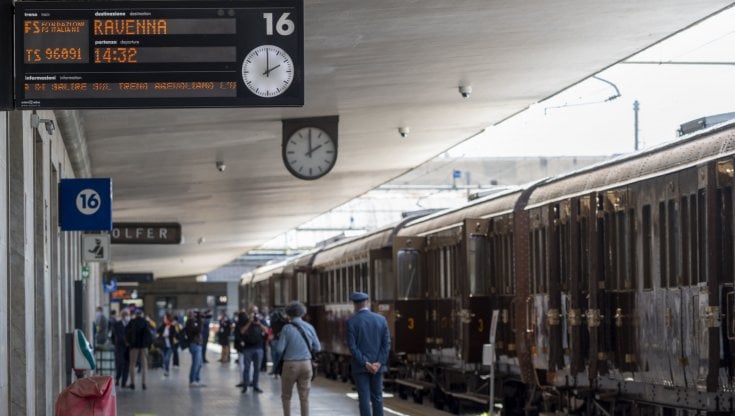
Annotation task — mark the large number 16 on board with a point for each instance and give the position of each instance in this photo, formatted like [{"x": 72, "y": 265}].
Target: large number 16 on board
[
  {"x": 284, "y": 25},
  {"x": 88, "y": 201}
]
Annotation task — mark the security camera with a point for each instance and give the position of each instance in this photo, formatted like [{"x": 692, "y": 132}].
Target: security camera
[
  {"x": 403, "y": 131},
  {"x": 221, "y": 166},
  {"x": 465, "y": 90}
]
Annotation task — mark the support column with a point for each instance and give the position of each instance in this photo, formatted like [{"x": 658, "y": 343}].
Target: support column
[{"x": 4, "y": 363}]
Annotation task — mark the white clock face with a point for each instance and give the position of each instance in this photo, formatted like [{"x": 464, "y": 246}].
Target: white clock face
[
  {"x": 267, "y": 71},
  {"x": 309, "y": 153}
]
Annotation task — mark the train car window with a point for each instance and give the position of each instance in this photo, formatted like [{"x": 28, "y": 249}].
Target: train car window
[
  {"x": 612, "y": 251},
  {"x": 342, "y": 283},
  {"x": 476, "y": 274},
  {"x": 693, "y": 240},
  {"x": 686, "y": 228},
  {"x": 277, "y": 289},
  {"x": 447, "y": 275},
  {"x": 724, "y": 229},
  {"x": 384, "y": 283},
  {"x": 602, "y": 271},
  {"x": 674, "y": 245},
  {"x": 663, "y": 272},
  {"x": 325, "y": 288},
  {"x": 564, "y": 256},
  {"x": 630, "y": 263},
  {"x": 409, "y": 273},
  {"x": 647, "y": 236},
  {"x": 621, "y": 259},
  {"x": 538, "y": 265},
  {"x": 542, "y": 259},
  {"x": 452, "y": 267},
  {"x": 441, "y": 277},
  {"x": 701, "y": 235},
  {"x": 584, "y": 255},
  {"x": 365, "y": 278},
  {"x": 510, "y": 281},
  {"x": 491, "y": 275},
  {"x": 350, "y": 285}
]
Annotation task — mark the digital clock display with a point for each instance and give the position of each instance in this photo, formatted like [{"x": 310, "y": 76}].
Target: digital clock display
[{"x": 151, "y": 54}]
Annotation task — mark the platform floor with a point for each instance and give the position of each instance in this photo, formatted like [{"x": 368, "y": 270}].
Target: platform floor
[{"x": 173, "y": 396}]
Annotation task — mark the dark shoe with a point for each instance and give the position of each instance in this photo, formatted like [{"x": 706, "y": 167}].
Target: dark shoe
[
  {"x": 132, "y": 387},
  {"x": 239, "y": 384},
  {"x": 143, "y": 386},
  {"x": 257, "y": 390},
  {"x": 244, "y": 390}
]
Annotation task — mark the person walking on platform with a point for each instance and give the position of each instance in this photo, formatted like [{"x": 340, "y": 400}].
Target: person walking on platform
[
  {"x": 101, "y": 328},
  {"x": 369, "y": 341},
  {"x": 168, "y": 334},
  {"x": 193, "y": 330},
  {"x": 139, "y": 338},
  {"x": 206, "y": 319},
  {"x": 223, "y": 337},
  {"x": 179, "y": 333},
  {"x": 122, "y": 355},
  {"x": 253, "y": 337},
  {"x": 296, "y": 344}
]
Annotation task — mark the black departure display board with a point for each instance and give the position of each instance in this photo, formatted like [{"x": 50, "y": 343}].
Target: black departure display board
[{"x": 160, "y": 54}]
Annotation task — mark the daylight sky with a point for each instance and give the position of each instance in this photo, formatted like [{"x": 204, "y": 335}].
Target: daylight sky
[{"x": 580, "y": 122}]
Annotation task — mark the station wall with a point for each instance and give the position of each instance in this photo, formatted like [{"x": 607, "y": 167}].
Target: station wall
[{"x": 39, "y": 265}]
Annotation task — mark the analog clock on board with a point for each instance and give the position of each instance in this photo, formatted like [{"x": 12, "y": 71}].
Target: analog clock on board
[{"x": 267, "y": 71}]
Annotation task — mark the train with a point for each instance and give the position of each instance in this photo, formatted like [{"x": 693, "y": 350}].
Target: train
[{"x": 609, "y": 290}]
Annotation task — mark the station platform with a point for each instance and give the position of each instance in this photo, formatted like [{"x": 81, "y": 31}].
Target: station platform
[{"x": 172, "y": 395}]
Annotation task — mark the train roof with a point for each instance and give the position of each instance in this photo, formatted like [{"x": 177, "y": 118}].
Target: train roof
[
  {"x": 491, "y": 205},
  {"x": 690, "y": 150},
  {"x": 354, "y": 246}
]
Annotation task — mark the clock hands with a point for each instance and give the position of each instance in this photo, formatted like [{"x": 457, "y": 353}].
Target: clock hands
[
  {"x": 311, "y": 150},
  {"x": 268, "y": 69}
]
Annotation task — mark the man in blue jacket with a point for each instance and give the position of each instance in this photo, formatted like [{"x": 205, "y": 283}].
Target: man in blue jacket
[{"x": 369, "y": 342}]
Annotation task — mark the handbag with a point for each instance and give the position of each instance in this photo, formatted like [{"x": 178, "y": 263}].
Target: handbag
[
  {"x": 278, "y": 367},
  {"x": 159, "y": 342},
  {"x": 314, "y": 364}
]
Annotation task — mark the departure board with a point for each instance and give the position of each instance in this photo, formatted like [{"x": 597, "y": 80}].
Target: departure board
[{"x": 162, "y": 54}]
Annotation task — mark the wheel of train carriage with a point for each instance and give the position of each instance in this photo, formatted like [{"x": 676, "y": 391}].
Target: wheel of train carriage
[
  {"x": 438, "y": 398},
  {"x": 418, "y": 396},
  {"x": 453, "y": 405},
  {"x": 402, "y": 393}
]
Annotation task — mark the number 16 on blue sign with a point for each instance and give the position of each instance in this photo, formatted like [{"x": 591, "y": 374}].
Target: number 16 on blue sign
[{"x": 86, "y": 204}]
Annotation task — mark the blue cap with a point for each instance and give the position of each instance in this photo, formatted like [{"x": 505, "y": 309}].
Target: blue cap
[{"x": 359, "y": 296}]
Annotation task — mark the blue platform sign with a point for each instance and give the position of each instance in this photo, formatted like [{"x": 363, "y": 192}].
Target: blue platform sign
[{"x": 85, "y": 204}]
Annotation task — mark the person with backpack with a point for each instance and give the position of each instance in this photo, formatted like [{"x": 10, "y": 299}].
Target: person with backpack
[
  {"x": 138, "y": 337},
  {"x": 296, "y": 346},
  {"x": 278, "y": 320},
  {"x": 253, "y": 338}
]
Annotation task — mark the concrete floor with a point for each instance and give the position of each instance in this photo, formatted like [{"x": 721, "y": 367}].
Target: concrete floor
[{"x": 173, "y": 396}]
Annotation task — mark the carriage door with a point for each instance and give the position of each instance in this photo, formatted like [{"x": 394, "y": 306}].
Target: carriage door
[
  {"x": 537, "y": 302},
  {"x": 620, "y": 278},
  {"x": 578, "y": 282},
  {"x": 476, "y": 331},
  {"x": 443, "y": 254},
  {"x": 725, "y": 197},
  {"x": 409, "y": 328},
  {"x": 502, "y": 283},
  {"x": 381, "y": 283},
  {"x": 692, "y": 253}
]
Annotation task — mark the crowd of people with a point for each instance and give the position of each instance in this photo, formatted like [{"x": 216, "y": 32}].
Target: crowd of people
[{"x": 292, "y": 341}]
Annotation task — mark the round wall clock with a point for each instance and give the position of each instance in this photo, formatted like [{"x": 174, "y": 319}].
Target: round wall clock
[
  {"x": 267, "y": 71},
  {"x": 309, "y": 153}
]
